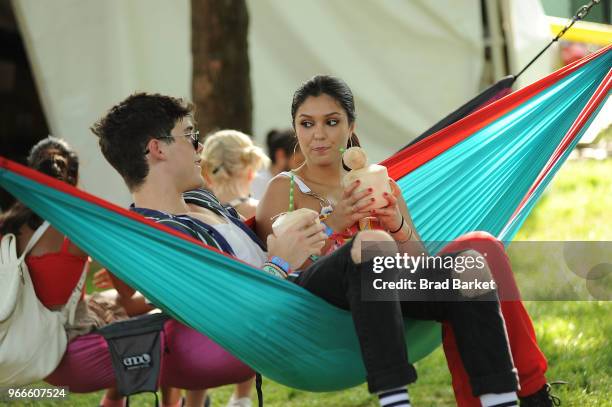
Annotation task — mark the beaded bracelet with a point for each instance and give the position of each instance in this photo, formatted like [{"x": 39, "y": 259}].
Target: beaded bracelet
[
  {"x": 280, "y": 262},
  {"x": 274, "y": 270}
]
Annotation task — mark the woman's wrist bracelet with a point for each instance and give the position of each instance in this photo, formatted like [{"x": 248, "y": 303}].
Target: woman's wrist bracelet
[
  {"x": 408, "y": 238},
  {"x": 399, "y": 228}
]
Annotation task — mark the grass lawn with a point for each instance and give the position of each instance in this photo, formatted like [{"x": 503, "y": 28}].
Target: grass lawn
[{"x": 575, "y": 336}]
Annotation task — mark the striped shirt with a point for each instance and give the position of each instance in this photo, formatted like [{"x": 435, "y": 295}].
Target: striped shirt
[
  {"x": 206, "y": 199},
  {"x": 197, "y": 229}
]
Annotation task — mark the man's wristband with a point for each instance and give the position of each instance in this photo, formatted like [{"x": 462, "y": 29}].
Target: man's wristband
[
  {"x": 274, "y": 270},
  {"x": 282, "y": 263}
]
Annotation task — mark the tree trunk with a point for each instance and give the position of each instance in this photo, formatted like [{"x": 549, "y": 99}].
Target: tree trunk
[{"x": 221, "y": 81}]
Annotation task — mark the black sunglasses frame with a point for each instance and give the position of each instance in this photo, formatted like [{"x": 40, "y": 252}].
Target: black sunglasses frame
[{"x": 194, "y": 136}]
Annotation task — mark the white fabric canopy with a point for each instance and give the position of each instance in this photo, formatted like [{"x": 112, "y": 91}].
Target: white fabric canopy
[
  {"x": 409, "y": 63},
  {"x": 87, "y": 55}
]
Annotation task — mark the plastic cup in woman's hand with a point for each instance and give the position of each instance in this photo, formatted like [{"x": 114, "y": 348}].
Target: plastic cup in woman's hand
[{"x": 372, "y": 176}]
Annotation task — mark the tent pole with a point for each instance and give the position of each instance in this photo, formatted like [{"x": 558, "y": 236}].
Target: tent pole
[{"x": 496, "y": 39}]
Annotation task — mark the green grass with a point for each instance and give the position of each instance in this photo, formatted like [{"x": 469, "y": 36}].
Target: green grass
[
  {"x": 575, "y": 336},
  {"x": 576, "y": 206}
]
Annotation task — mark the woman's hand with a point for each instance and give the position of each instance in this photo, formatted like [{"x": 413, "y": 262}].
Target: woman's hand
[
  {"x": 102, "y": 280},
  {"x": 352, "y": 207},
  {"x": 390, "y": 217}
]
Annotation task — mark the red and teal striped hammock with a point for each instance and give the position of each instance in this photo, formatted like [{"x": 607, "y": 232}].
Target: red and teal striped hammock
[{"x": 484, "y": 172}]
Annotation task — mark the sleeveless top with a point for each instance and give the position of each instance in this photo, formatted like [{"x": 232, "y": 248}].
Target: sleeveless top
[
  {"x": 326, "y": 206},
  {"x": 54, "y": 275}
]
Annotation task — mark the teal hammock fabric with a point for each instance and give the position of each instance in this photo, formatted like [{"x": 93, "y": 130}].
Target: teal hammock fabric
[
  {"x": 499, "y": 163},
  {"x": 483, "y": 182}
]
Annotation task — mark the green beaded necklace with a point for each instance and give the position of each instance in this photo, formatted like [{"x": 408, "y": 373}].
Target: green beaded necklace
[{"x": 291, "y": 184}]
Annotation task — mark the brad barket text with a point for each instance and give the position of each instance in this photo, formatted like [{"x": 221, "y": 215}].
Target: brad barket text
[{"x": 425, "y": 284}]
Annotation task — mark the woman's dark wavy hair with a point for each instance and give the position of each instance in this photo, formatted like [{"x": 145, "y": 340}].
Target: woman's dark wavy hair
[
  {"x": 331, "y": 86},
  {"x": 51, "y": 156}
]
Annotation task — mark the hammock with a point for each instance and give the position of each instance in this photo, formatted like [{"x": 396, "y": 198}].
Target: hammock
[{"x": 484, "y": 172}]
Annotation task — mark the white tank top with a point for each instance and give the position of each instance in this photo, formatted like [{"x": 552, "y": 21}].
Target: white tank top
[
  {"x": 305, "y": 189},
  {"x": 244, "y": 247}
]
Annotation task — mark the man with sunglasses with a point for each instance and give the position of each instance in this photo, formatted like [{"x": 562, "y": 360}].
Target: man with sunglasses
[
  {"x": 153, "y": 144},
  {"x": 150, "y": 140}
]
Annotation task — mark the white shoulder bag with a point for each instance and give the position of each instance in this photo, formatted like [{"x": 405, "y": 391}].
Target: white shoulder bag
[{"x": 32, "y": 338}]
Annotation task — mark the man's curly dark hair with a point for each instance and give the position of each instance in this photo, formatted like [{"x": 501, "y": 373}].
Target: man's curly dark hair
[{"x": 128, "y": 126}]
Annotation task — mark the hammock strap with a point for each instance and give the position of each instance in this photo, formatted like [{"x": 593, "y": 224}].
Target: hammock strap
[{"x": 581, "y": 13}]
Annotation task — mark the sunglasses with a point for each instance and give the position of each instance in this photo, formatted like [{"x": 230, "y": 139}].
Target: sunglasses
[{"x": 194, "y": 136}]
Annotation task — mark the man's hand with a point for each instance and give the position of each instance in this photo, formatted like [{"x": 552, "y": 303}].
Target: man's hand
[{"x": 300, "y": 241}]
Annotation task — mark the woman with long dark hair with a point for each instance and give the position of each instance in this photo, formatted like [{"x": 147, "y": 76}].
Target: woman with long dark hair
[{"x": 324, "y": 119}]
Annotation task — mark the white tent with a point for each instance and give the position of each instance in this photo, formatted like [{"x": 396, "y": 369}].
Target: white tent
[{"x": 409, "y": 63}]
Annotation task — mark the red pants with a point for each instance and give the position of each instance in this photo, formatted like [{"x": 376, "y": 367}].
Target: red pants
[{"x": 527, "y": 356}]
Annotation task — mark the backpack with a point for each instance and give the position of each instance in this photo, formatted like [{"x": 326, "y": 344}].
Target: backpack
[{"x": 32, "y": 338}]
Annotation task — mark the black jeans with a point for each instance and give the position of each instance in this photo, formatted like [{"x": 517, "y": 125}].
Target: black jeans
[{"x": 478, "y": 325}]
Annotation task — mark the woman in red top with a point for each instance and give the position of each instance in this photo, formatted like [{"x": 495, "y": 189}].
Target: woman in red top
[{"x": 54, "y": 263}]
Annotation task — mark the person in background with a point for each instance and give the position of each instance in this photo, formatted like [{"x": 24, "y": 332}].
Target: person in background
[
  {"x": 285, "y": 154},
  {"x": 55, "y": 263},
  {"x": 229, "y": 163}
]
